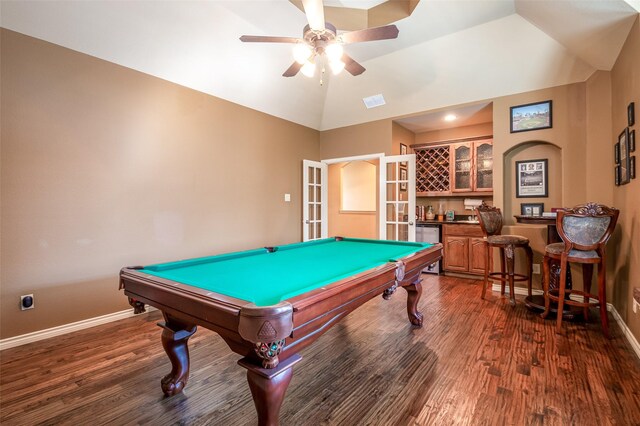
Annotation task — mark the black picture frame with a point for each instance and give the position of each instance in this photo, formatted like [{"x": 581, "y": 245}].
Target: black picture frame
[
  {"x": 534, "y": 116},
  {"x": 631, "y": 114},
  {"x": 403, "y": 151},
  {"x": 616, "y": 152},
  {"x": 616, "y": 171},
  {"x": 623, "y": 141},
  {"x": 632, "y": 167},
  {"x": 531, "y": 209},
  {"x": 632, "y": 141},
  {"x": 532, "y": 178}
]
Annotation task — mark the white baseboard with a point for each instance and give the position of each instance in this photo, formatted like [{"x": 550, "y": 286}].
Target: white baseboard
[
  {"x": 23, "y": 339},
  {"x": 623, "y": 326}
]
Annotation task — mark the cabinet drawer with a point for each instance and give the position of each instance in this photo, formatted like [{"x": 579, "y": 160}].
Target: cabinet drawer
[{"x": 465, "y": 230}]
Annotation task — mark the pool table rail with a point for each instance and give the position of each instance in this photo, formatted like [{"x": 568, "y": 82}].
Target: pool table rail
[{"x": 269, "y": 338}]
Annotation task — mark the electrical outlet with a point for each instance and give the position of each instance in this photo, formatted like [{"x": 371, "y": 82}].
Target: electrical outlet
[
  {"x": 536, "y": 268},
  {"x": 27, "y": 302},
  {"x": 287, "y": 197}
]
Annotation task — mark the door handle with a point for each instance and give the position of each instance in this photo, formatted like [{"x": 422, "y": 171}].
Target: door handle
[
  {"x": 411, "y": 223},
  {"x": 307, "y": 221}
]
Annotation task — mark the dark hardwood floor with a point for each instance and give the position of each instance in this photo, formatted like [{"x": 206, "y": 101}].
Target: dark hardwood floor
[{"x": 474, "y": 362}]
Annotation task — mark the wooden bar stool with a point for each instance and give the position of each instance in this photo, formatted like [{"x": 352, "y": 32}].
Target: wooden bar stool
[
  {"x": 491, "y": 223},
  {"x": 585, "y": 230}
]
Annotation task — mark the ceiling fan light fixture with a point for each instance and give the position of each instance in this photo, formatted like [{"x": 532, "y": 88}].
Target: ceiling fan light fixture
[
  {"x": 334, "y": 52},
  {"x": 301, "y": 52},
  {"x": 336, "y": 66},
  {"x": 308, "y": 69}
]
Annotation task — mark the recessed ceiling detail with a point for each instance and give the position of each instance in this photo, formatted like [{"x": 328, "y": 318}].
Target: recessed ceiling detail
[{"x": 358, "y": 15}]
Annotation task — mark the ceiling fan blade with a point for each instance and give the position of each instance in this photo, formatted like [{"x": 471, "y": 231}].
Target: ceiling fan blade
[
  {"x": 370, "y": 34},
  {"x": 268, "y": 39},
  {"x": 292, "y": 70},
  {"x": 315, "y": 14},
  {"x": 351, "y": 65}
]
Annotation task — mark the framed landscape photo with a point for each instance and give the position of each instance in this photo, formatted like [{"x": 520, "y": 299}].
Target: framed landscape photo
[
  {"x": 531, "y": 209},
  {"x": 534, "y": 116},
  {"x": 623, "y": 140},
  {"x": 532, "y": 178}
]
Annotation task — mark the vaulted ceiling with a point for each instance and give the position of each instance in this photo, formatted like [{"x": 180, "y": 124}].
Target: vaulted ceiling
[{"x": 448, "y": 52}]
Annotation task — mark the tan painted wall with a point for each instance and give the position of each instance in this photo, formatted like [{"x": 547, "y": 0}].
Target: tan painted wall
[
  {"x": 401, "y": 135},
  {"x": 349, "y": 224},
  {"x": 475, "y": 130},
  {"x": 104, "y": 167},
  {"x": 368, "y": 138},
  {"x": 625, "y": 88}
]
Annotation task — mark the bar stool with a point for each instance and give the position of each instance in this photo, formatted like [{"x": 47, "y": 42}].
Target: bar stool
[
  {"x": 491, "y": 223},
  {"x": 585, "y": 230}
]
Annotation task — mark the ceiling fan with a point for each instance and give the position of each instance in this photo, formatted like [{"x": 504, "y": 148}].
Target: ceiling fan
[{"x": 321, "y": 38}]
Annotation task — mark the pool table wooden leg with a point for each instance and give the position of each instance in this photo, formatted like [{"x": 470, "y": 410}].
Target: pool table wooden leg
[
  {"x": 175, "y": 335},
  {"x": 414, "y": 291},
  {"x": 268, "y": 387}
]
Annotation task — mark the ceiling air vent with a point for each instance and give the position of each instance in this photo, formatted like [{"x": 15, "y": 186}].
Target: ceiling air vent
[{"x": 373, "y": 101}]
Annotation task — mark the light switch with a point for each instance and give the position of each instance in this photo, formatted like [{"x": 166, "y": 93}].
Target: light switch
[{"x": 287, "y": 197}]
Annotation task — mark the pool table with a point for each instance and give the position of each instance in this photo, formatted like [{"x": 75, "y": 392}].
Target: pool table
[{"x": 269, "y": 303}]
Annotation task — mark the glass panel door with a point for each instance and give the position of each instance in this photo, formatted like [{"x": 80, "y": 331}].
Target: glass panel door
[
  {"x": 484, "y": 165},
  {"x": 314, "y": 200},
  {"x": 461, "y": 167},
  {"x": 398, "y": 198}
]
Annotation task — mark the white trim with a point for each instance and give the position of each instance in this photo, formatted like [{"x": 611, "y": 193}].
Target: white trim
[
  {"x": 635, "y": 345},
  {"x": 23, "y": 339},
  {"x": 354, "y": 158}
]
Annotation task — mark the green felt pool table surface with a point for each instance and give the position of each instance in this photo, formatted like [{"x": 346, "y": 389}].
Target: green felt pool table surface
[{"x": 266, "y": 277}]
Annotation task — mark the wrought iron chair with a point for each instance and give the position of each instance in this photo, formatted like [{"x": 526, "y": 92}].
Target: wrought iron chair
[
  {"x": 491, "y": 223},
  {"x": 585, "y": 230}
]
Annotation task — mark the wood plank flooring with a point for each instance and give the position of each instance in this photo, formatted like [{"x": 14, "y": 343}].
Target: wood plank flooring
[{"x": 474, "y": 362}]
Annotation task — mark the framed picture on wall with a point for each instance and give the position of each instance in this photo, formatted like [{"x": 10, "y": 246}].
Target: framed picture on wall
[
  {"x": 632, "y": 141},
  {"x": 623, "y": 140},
  {"x": 616, "y": 171},
  {"x": 403, "y": 151},
  {"x": 531, "y": 209},
  {"x": 534, "y": 116},
  {"x": 403, "y": 177},
  {"x": 532, "y": 178},
  {"x": 616, "y": 152},
  {"x": 631, "y": 114}
]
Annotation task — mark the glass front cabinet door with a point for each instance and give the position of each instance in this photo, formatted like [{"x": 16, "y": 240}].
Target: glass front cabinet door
[
  {"x": 483, "y": 153},
  {"x": 462, "y": 160}
]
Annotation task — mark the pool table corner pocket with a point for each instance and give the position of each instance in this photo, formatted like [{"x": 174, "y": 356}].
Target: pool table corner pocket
[{"x": 266, "y": 327}]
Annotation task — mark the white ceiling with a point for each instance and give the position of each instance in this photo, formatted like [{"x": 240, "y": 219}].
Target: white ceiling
[{"x": 448, "y": 52}]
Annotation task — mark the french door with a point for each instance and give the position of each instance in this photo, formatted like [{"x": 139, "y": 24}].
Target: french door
[
  {"x": 314, "y": 200},
  {"x": 398, "y": 198}
]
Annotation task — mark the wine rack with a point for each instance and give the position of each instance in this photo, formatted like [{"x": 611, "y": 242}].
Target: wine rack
[{"x": 433, "y": 169}]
